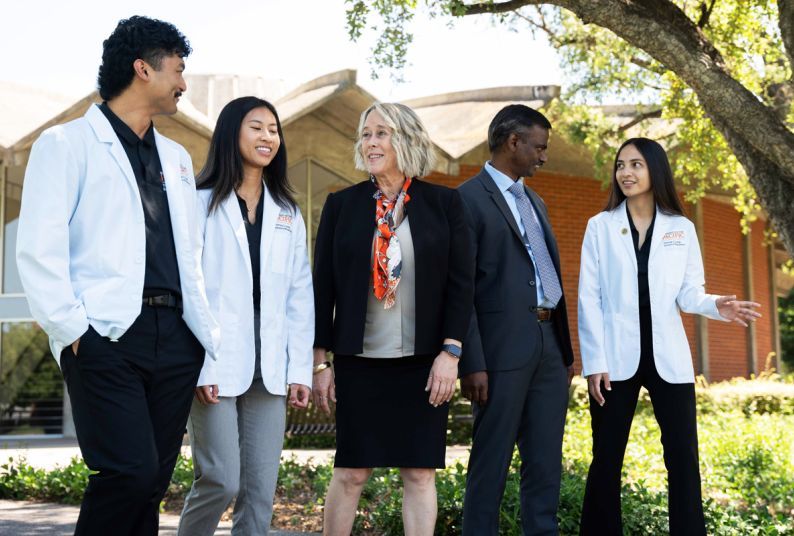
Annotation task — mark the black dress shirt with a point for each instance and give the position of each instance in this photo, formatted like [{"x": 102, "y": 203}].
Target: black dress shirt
[
  {"x": 254, "y": 233},
  {"x": 162, "y": 270},
  {"x": 646, "y": 333}
]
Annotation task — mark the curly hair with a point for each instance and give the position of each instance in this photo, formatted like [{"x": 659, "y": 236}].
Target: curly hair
[
  {"x": 416, "y": 155},
  {"x": 136, "y": 38}
]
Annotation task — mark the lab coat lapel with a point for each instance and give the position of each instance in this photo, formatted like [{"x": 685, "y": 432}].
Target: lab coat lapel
[
  {"x": 659, "y": 229},
  {"x": 174, "y": 173},
  {"x": 622, "y": 232},
  {"x": 231, "y": 208},
  {"x": 269, "y": 220},
  {"x": 105, "y": 133}
]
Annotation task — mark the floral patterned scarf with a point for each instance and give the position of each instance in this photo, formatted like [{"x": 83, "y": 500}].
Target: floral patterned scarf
[{"x": 387, "y": 257}]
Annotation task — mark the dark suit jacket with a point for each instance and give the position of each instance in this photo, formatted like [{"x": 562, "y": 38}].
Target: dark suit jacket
[
  {"x": 343, "y": 257},
  {"x": 504, "y": 332}
]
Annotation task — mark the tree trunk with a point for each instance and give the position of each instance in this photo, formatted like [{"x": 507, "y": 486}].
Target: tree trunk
[{"x": 760, "y": 139}]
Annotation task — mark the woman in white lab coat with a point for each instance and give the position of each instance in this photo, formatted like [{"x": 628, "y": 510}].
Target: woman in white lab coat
[
  {"x": 259, "y": 288},
  {"x": 641, "y": 265}
]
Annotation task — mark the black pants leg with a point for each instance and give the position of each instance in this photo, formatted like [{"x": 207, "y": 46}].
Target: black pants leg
[
  {"x": 540, "y": 435},
  {"x": 525, "y": 406},
  {"x": 611, "y": 424},
  {"x": 674, "y": 408},
  {"x": 130, "y": 402}
]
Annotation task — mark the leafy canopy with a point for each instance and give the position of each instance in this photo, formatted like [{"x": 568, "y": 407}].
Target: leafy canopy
[{"x": 601, "y": 67}]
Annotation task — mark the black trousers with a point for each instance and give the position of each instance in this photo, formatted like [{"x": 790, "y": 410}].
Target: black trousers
[
  {"x": 526, "y": 406},
  {"x": 130, "y": 403},
  {"x": 674, "y": 408}
]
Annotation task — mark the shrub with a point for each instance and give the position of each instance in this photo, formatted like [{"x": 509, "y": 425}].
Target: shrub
[{"x": 747, "y": 469}]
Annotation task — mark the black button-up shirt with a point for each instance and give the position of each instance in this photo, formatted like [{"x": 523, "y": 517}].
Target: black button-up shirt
[
  {"x": 254, "y": 233},
  {"x": 646, "y": 332},
  {"x": 162, "y": 270}
]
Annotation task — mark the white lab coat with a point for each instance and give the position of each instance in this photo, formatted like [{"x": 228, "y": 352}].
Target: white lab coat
[
  {"x": 287, "y": 298},
  {"x": 81, "y": 243},
  {"x": 609, "y": 317}
]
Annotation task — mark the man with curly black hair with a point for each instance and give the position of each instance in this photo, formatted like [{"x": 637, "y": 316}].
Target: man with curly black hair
[{"x": 108, "y": 257}]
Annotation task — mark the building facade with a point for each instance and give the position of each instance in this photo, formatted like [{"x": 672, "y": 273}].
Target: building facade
[{"x": 320, "y": 120}]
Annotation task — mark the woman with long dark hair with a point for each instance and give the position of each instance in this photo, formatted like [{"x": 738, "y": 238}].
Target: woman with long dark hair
[
  {"x": 641, "y": 265},
  {"x": 259, "y": 288}
]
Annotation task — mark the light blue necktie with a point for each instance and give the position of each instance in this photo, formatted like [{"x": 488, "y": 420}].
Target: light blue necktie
[{"x": 534, "y": 233}]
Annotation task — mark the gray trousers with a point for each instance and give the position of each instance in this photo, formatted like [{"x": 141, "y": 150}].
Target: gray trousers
[
  {"x": 236, "y": 446},
  {"x": 525, "y": 406}
]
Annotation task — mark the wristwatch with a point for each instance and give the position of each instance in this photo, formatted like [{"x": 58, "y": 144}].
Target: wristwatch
[{"x": 452, "y": 349}]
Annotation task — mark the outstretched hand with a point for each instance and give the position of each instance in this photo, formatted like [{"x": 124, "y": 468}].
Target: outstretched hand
[{"x": 741, "y": 312}]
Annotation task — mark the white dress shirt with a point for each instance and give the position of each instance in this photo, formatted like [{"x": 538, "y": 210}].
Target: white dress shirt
[{"x": 503, "y": 182}]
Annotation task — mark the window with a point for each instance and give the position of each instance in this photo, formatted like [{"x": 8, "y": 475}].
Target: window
[
  {"x": 313, "y": 182},
  {"x": 31, "y": 385}
]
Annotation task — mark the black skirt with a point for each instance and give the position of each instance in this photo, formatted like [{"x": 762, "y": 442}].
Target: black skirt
[{"x": 383, "y": 417}]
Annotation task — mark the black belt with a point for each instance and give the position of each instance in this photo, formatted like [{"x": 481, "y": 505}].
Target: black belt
[
  {"x": 164, "y": 300},
  {"x": 544, "y": 315}
]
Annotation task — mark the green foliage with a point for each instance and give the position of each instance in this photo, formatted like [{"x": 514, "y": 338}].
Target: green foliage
[
  {"x": 747, "y": 470},
  {"x": 392, "y": 47},
  {"x": 18, "y": 480},
  {"x": 601, "y": 67}
]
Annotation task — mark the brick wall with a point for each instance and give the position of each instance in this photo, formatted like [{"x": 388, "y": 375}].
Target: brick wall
[{"x": 573, "y": 200}]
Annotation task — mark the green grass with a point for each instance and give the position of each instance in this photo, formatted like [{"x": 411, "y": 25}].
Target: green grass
[{"x": 746, "y": 434}]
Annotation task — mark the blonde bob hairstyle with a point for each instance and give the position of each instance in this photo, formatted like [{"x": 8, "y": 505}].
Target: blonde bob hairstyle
[{"x": 411, "y": 142}]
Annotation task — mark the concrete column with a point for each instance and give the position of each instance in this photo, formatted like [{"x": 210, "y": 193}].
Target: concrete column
[
  {"x": 747, "y": 265},
  {"x": 701, "y": 322},
  {"x": 774, "y": 316}
]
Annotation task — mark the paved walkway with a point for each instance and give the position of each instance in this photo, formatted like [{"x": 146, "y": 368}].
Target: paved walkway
[{"x": 22, "y": 518}]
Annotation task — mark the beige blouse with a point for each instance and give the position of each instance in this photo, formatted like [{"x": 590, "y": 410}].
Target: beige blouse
[{"x": 390, "y": 333}]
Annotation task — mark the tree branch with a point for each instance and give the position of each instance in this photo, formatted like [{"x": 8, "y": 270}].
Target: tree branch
[
  {"x": 665, "y": 33},
  {"x": 705, "y": 13},
  {"x": 786, "y": 23},
  {"x": 653, "y": 114},
  {"x": 497, "y": 7}
]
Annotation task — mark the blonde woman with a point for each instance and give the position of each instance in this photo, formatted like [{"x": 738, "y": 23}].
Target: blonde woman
[{"x": 393, "y": 296}]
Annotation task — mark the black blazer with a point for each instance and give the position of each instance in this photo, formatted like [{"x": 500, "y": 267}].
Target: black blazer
[
  {"x": 504, "y": 332},
  {"x": 343, "y": 272}
]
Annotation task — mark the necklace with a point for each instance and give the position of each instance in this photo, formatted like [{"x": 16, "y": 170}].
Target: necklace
[{"x": 249, "y": 203}]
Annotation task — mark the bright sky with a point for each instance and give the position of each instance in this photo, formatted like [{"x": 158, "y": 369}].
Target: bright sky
[{"x": 57, "y": 45}]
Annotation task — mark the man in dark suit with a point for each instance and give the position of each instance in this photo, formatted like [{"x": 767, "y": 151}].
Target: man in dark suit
[{"x": 516, "y": 365}]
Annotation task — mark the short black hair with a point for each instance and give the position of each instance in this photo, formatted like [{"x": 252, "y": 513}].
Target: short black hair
[
  {"x": 513, "y": 118},
  {"x": 136, "y": 38}
]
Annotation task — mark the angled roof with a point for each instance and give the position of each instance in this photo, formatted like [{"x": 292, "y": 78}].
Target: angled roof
[
  {"x": 186, "y": 115},
  {"x": 458, "y": 122},
  {"x": 23, "y": 108},
  {"x": 209, "y": 93},
  {"x": 310, "y": 96}
]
